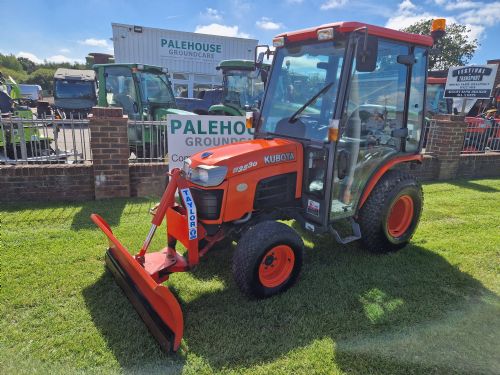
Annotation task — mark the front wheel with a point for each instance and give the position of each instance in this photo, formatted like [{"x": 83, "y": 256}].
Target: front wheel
[
  {"x": 390, "y": 215},
  {"x": 267, "y": 259}
]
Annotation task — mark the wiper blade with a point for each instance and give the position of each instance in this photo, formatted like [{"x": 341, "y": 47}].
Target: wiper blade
[{"x": 293, "y": 118}]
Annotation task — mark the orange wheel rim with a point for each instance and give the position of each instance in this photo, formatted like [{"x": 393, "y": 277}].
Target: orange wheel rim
[
  {"x": 276, "y": 266},
  {"x": 400, "y": 216}
]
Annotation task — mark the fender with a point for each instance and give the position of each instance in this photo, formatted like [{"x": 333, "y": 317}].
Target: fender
[{"x": 381, "y": 171}]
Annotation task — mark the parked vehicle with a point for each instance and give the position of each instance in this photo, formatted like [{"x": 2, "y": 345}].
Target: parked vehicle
[
  {"x": 202, "y": 103},
  {"x": 144, "y": 92},
  {"x": 75, "y": 91},
  {"x": 243, "y": 85},
  {"x": 321, "y": 169},
  {"x": 20, "y": 136}
]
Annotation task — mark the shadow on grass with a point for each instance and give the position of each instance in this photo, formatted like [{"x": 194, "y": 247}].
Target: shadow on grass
[
  {"x": 470, "y": 184},
  {"x": 343, "y": 293},
  {"x": 112, "y": 210}
]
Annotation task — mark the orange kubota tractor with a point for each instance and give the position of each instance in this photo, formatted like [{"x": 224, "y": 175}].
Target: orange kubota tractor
[{"x": 344, "y": 106}]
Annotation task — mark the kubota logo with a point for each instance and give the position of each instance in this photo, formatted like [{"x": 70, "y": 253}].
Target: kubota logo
[{"x": 287, "y": 156}]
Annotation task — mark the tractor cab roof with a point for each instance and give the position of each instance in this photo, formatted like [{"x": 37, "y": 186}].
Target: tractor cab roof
[
  {"x": 141, "y": 67},
  {"x": 238, "y": 65},
  {"x": 346, "y": 27}
]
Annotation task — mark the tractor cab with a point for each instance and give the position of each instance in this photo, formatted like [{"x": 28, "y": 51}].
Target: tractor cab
[
  {"x": 143, "y": 91},
  {"x": 243, "y": 84},
  {"x": 352, "y": 95}
]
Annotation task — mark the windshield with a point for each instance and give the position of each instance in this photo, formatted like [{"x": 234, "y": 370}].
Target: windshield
[
  {"x": 299, "y": 74},
  {"x": 155, "y": 88},
  {"x": 69, "y": 89},
  {"x": 436, "y": 103},
  {"x": 243, "y": 88}
]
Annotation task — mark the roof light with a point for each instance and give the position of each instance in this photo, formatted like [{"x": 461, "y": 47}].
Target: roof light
[
  {"x": 164, "y": 70},
  {"x": 325, "y": 34},
  {"x": 140, "y": 67},
  {"x": 279, "y": 41},
  {"x": 438, "y": 28}
]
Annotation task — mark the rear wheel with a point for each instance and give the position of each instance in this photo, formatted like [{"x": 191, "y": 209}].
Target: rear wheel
[
  {"x": 390, "y": 215},
  {"x": 267, "y": 259}
]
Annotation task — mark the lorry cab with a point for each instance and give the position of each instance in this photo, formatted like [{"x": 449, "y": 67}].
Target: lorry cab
[
  {"x": 75, "y": 91},
  {"x": 243, "y": 85}
]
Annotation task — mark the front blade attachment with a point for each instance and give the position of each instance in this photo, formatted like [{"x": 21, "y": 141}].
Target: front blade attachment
[{"x": 156, "y": 305}]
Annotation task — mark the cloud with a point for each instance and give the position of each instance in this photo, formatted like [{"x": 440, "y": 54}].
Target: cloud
[
  {"x": 53, "y": 59},
  {"x": 332, "y": 4},
  {"x": 461, "y": 5},
  {"x": 218, "y": 29},
  {"x": 267, "y": 24},
  {"x": 31, "y": 56},
  {"x": 476, "y": 20},
  {"x": 64, "y": 50},
  {"x": 94, "y": 42},
  {"x": 61, "y": 59},
  {"x": 487, "y": 15},
  {"x": 213, "y": 14}
]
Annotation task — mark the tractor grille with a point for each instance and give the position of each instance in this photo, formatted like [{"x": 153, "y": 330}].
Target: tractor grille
[
  {"x": 275, "y": 191},
  {"x": 208, "y": 202}
]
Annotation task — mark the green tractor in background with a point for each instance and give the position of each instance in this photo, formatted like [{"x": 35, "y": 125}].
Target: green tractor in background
[
  {"x": 243, "y": 84},
  {"x": 144, "y": 92}
]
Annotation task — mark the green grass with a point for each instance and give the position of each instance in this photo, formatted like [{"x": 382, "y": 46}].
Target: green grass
[{"x": 430, "y": 308}]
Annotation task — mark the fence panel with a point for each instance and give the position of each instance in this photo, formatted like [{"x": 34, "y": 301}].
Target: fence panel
[
  {"x": 147, "y": 141},
  {"x": 481, "y": 135},
  {"x": 44, "y": 141}
]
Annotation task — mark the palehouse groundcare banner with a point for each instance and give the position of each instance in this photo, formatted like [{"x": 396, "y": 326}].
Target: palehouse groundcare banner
[
  {"x": 188, "y": 135},
  {"x": 475, "y": 81}
]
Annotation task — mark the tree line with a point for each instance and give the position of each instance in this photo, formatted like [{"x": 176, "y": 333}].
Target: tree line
[{"x": 23, "y": 70}]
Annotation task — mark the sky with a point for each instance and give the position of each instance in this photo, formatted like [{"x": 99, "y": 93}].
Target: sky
[{"x": 60, "y": 31}]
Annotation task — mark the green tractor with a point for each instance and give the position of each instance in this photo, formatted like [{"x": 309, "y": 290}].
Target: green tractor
[
  {"x": 144, "y": 92},
  {"x": 243, "y": 87}
]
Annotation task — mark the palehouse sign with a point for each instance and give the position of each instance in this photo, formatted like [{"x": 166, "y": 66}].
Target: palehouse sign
[
  {"x": 475, "y": 81},
  {"x": 189, "y": 134},
  {"x": 190, "y": 49}
]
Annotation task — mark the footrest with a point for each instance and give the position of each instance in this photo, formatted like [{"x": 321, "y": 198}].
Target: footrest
[{"x": 356, "y": 233}]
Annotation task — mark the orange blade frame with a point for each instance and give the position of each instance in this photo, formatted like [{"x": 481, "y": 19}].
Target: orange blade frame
[{"x": 154, "y": 302}]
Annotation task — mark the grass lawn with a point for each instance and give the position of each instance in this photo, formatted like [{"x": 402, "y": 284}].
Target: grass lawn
[{"x": 433, "y": 307}]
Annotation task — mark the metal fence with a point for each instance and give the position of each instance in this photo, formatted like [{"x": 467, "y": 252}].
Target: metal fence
[
  {"x": 44, "y": 141},
  {"x": 147, "y": 141},
  {"x": 481, "y": 135},
  {"x": 429, "y": 129}
]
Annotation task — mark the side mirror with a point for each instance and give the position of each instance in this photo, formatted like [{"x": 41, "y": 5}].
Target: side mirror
[{"x": 366, "y": 53}]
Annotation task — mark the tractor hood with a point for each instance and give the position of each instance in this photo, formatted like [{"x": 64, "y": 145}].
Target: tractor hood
[{"x": 249, "y": 155}]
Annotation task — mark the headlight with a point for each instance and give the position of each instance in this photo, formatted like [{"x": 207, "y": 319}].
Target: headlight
[{"x": 205, "y": 175}]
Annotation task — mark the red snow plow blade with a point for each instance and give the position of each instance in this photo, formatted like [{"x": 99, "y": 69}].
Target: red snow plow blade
[
  {"x": 154, "y": 302},
  {"x": 140, "y": 276}
]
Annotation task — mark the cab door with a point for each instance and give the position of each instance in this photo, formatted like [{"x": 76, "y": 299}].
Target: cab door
[{"x": 374, "y": 124}]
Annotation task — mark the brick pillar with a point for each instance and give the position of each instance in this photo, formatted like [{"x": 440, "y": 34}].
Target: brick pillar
[
  {"x": 446, "y": 144},
  {"x": 110, "y": 152}
]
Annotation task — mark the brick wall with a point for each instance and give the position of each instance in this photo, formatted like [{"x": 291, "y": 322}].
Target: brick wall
[
  {"x": 57, "y": 182},
  {"x": 428, "y": 170},
  {"x": 479, "y": 166},
  {"x": 148, "y": 180},
  {"x": 110, "y": 152}
]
